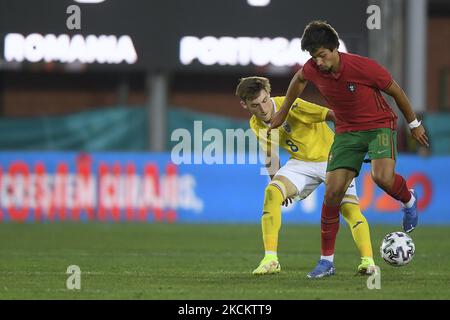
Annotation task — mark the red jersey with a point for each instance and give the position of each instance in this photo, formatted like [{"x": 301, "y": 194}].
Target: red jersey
[{"x": 353, "y": 93}]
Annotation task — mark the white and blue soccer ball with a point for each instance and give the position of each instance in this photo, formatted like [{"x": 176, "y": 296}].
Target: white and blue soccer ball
[{"x": 397, "y": 249}]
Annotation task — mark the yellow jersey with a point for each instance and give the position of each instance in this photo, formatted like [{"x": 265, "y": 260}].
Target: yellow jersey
[{"x": 304, "y": 134}]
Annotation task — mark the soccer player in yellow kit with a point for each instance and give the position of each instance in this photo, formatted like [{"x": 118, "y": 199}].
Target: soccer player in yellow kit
[{"x": 308, "y": 139}]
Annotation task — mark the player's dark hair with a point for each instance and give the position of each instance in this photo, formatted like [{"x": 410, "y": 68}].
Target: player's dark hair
[
  {"x": 319, "y": 34},
  {"x": 249, "y": 88}
]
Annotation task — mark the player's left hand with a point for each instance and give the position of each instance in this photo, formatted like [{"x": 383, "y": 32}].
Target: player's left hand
[
  {"x": 287, "y": 202},
  {"x": 420, "y": 135}
]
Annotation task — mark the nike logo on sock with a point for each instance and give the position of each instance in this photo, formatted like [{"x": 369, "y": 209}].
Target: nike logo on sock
[{"x": 357, "y": 224}]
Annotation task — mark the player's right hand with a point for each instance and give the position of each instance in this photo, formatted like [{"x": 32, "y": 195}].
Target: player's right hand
[{"x": 420, "y": 135}]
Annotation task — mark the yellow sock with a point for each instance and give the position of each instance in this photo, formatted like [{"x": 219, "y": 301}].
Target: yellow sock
[
  {"x": 271, "y": 218},
  {"x": 359, "y": 228}
]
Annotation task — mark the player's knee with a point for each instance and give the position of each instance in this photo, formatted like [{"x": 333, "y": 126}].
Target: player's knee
[
  {"x": 334, "y": 196},
  {"x": 383, "y": 179},
  {"x": 274, "y": 193}
]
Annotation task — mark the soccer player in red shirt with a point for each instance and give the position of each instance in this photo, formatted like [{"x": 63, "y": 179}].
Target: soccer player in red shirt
[{"x": 352, "y": 85}]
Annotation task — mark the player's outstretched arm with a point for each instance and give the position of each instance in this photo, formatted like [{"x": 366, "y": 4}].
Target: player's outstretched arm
[
  {"x": 417, "y": 130},
  {"x": 296, "y": 87}
]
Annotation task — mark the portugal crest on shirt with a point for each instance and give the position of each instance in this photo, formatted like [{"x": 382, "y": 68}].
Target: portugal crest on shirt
[
  {"x": 287, "y": 127},
  {"x": 351, "y": 87}
]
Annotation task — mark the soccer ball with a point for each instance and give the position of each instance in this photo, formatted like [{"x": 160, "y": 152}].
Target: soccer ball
[{"x": 397, "y": 249}]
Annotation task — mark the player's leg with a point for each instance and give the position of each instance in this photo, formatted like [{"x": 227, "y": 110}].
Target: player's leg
[
  {"x": 275, "y": 193},
  {"x": 344, "y": 163},
  {"x": 299, "y": 178},
  {"x": 383, "y": 154},
  {"x": 359, "y": 228},
  {"x": 337, "y": 182}
]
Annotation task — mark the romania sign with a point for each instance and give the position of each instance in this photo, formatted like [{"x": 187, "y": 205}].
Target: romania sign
[{"x": 36, "y": 47}]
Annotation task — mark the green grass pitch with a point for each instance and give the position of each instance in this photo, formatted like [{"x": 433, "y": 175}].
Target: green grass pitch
[{"x": 183, "y": 261}]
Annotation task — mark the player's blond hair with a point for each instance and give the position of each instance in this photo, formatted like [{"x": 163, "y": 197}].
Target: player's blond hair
[{"x": 249, "y": 88}]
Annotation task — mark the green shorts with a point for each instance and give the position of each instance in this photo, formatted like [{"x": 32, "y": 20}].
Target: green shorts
[{"x": 350, "y": 148}]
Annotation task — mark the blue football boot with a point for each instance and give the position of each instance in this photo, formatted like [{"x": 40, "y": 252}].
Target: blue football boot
[
  {"x": 410, "y": 216},
  {"x": 323, "y": 269}
]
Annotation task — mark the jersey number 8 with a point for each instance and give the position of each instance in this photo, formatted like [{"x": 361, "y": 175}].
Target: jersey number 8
[{"x": 293, "y": 147}]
